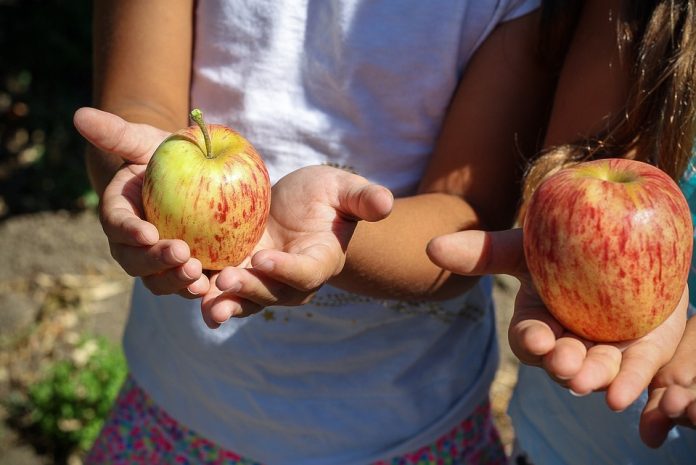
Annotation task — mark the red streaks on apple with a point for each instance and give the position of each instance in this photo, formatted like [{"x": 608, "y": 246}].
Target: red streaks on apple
[
  {"x": 207, "y": 186},
  {"x": 608, "y": 244}
]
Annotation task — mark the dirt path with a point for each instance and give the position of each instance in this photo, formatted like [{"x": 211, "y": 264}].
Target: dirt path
[{"x": 57, "y": 275}]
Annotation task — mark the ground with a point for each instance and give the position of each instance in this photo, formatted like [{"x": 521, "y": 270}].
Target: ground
[{"x": 58, "y": 281}]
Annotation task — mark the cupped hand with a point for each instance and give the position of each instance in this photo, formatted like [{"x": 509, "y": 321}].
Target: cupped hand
[
  {"x": 165, "y": 266},
  {"x": 314, "y": 212},
  {"x": 624, "y": 370},
  {"x": 672, "y": 393}
]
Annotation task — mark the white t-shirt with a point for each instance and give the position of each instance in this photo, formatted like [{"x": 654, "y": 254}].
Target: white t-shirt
[{"x": 344, "y": 379}]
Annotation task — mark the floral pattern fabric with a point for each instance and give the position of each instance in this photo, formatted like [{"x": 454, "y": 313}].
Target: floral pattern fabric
[{"x": 139, "y": 432}]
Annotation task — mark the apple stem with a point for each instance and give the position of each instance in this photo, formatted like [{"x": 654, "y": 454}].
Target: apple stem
[{"x": 197, "y": 117}]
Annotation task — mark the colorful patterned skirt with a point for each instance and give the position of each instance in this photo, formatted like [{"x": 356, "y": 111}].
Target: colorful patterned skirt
[{"x": 137, "y": 431}]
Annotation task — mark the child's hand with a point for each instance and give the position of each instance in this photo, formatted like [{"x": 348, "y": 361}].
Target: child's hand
[
  {"x": 314, "y": 212},
  {"x": 538, "y": 339},
  {"x": 165, "y": 266},
  {"x": 672, "y": 393}
]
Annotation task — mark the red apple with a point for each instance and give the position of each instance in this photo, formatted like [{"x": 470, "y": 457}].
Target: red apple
[
  {"x": 608, "y": 244},
  {"x": 207, "y": 186}
]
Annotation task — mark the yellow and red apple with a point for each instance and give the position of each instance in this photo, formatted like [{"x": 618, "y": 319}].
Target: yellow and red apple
[
  {"x": 207, "y": 186},
  {"x": 608, "y": 245}
]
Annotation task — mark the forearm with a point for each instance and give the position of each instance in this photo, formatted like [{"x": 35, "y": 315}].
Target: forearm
[
  {"x": 387, "y": 259},
  {"x": 141, "y": 68},
  {"x": 472, "y": 177}
]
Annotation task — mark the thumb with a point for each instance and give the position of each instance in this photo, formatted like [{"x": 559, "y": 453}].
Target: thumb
[
  {"x": 479, "y": 253},
  {"x": 109, "y": 133},
  {"x": 364, "y": 201}
]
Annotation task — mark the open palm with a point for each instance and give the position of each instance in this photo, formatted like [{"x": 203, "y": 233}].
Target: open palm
[
  {"x": 165, "y": 265},
  {"x": 314, "y": 212},
  {"x": 624, "y": 370}
]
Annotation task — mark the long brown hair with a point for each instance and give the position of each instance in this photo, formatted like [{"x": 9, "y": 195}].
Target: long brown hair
[{"x": 658, "y": 122}]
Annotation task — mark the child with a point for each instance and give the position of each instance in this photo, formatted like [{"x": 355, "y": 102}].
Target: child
[
  {"x": 389, "y": 359},
  {"x": 645, "y": 111}
]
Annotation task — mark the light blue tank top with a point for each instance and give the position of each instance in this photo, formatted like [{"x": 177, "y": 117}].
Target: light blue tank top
[
  {"x": 555, "y": 428},
  {"x": 688, "y": 186}
]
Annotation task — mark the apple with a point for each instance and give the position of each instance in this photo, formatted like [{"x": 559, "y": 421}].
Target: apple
[
  {"x": 608, "y": 245},
  {"x": 207, "y": 186}
]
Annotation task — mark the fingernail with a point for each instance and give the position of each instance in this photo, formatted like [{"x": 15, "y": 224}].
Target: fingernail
[
  {"x": 265, "y": 266},
  {"x": 236, "y": 311},
  {"x": 174, "y": 255},
  {"x": 186, "y": 275},
  {"x": 234, "y": 288},
  {"x": 197, "y": 287},
  {"x": 146, "y": 238},
  {"x": 577, "y": 394}
]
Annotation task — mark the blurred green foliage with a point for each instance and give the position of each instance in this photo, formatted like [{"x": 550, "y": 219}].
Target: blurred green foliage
[
  {"x": 65, "y": 410},
  {"x": 45, "y": 74}
]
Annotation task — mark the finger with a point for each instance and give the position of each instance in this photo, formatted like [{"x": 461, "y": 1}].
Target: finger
[
  {"x": 566, "y": 359},
  {"x": 121, "y": 226},
  {"x": 305, "y": 271},
  {"x": 107, "y": 132},
  {"x": 642, "y": 361},
  {"x": 479, "y": 252},
  {"x": 533, "y": 330},
  {"x": 256, "y": 287},
  {"x": 206, "y": 304},
  {"x": 175, "y": 280},
  {"x": 218, "y": 307},
  {"x": 120, "y": 211},
  {"x": 681, "y": 369},
  {"x": 599, "y": 369},
  {"x": 145, "y": 261},
  {"x": 530, "y": 340},
  {"x": 197, "y": 289},
  {"x": 361, "y": 200},
  {"x": 654, "y": 425},
  {"x": 676, "y": 401},
  {"x": 226, "y": 306}
]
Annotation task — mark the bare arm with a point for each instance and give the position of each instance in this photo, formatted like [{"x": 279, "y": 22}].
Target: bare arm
[
  {"x": 142, "y": 60},
  {"x": 495, "y": 119},
  {"x": 594, "y": 80},
  {"x": 591, "y": 89},
  {"x": 470, "y": 181},
  {"x": 142, "y": 66}
]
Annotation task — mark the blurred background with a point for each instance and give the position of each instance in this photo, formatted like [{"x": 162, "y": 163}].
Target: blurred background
[
  {"x": 44, "y": 76},
  {"x": 63, "y": 300}
]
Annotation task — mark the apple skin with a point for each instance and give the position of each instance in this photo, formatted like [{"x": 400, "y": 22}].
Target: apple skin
[
  {"x": 608, "y": 245},
  {"x": 218, "y": 205}
]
